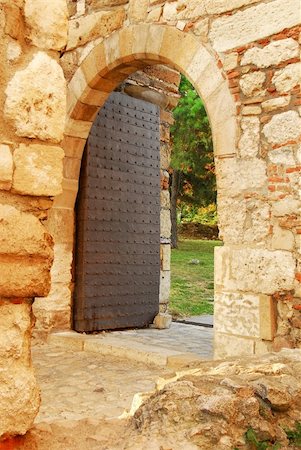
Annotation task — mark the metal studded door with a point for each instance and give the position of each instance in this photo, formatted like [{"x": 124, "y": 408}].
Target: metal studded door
[{"x": 117, "y": 265}]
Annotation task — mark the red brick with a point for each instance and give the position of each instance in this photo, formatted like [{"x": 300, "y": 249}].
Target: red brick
[
  {"x": 298, "y": 276},
  {"x": 232, "y": 74},
  {"x": 293, "y": 169}
]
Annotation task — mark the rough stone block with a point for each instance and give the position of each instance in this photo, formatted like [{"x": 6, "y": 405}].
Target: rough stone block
[
  {"x": 237, "y": 313},
  {"x": 47, "y": 23},
  {"x": 239, "y": 175},
  {"x": 254, "y": 270},
  {"x": 165, "y": 199},
  {"x": 191, "y": 10},
  {"x": 251, "y": 222},
  {"x": 61, "y": 268},
  {"x": 165, "y": 223},
  {"x": 282, "y": 239},
  {"x": 24, "y": 277},
  {"x": 268, "y": 317},
  {"x": 286, "y": 206},
  {"x": 37, "y": 107},
  {"x": 283, "y": 127},
  {"x": 165, "y": 252},
  {"x": 60, "y": 224},
  {"x": 287, "y": 78},
  {"x": 283, "y": 155},
  {"x": 20, "y": 396},
  {"x": 249, "y": 141},
  {"x": 220, "y": 6},
  {"x": 275, "y": 103},
  {"x": 226, "y": 345},
  {"x": 164, "y": 286},
  {"x": 252, "y": 83},
  {"x": 38, "y": 170},
  {"x": 138, "y": 10},
  {"x": 6, "y": 167},
  {"x": 162, "y": 321},
  {"x": 238, "y": 29},
  {"x": 93, "y": 26},
  {"x": 272, "y": 54},
  {"x": 22, "y": 234}
]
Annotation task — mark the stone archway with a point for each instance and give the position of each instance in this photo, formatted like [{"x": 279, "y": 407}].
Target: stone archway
[
  {"x": 248, "y": 78},
  {"x": 92, "y": 84}
]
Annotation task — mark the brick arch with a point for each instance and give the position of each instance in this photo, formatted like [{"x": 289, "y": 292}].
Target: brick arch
[{"x": 124, "y": 52}]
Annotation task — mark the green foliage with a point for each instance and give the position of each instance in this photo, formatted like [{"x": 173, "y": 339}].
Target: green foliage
[
  {"x": 192, "y": 285},
  {"x": 206, "y": 215},
  {"x": 192, "y": 149},
  {"x": 252, "y": 439},
  {"x": 294, "y": 436}
]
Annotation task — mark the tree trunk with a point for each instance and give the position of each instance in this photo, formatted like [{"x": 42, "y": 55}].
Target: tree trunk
[{"x": 175, "y": 186}]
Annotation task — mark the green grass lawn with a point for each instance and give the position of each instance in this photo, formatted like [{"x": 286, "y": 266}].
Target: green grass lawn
[{"x": 192, "y": 286}]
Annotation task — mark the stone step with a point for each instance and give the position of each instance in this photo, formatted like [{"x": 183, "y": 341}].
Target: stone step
[{"x": 122, "y": 347}]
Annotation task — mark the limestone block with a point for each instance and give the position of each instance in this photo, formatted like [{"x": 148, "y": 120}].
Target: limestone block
[
  {"x": 165, "y": 199},
  {"x": 201, "y": 28},
  {"x": 20, "y": 397},
  {"x": 237, "y": 313},
  {"x": 60, "y": 224},
  {"x": 286, "y": 206},
  {"x": 226, "y": 345},
  {"x": 283, "y": 127},
  {"x": 228, "y": 32},
  {"x": 165, "y": 223},
  {"x": 254, "y": 270},
  {"x": 190, "y": 9},
  {"x": 230, "y": 61},
  {"x": 249, "y": 141},
  {"x": 220, "y": 6},
  {"x": 154, "y": 15},
  {"x": 164, "y": 286},
  {"x": 24, "y": 277},
  {"x": 282, "y": 239},
  {"x": 47, "y": 23},
  {"x": 137, "y": 10},
  {"x": 283, "y": 155},
  {"x": 238, "y": 175},
  {"x": 59, "y": 298},
  {"x": 96, "y": 25},
  {"x": 162, "y": 321},
  {"x": 37, "y": 107},
  {"x": 170, "y": 12},
  {"x": 251, "y": 222},
  {"x": 13, "y": 51},
  {"x": 287, "y": 78},
  {"x": 275, "y": 103},
  {"x": 23, "y": 234},
  {"x": 6, "y": 167},
  {"x": 165, "y": 252},
  {"x": 272, "y": 54},
  {"x": 61, "y": 268},
  {"x": 38, "y": 170},
  {"x": 251, "y": 110},
  {"x": 262, "y": 347},
  {"x": 251, "y": 83},
  {"x": 98, "y": 4}
]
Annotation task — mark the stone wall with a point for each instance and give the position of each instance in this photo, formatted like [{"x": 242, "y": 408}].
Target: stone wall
[{"x": 60, "y": 61}]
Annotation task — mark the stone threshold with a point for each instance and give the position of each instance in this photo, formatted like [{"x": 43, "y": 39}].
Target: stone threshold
[{"x": 120, "y": 347}]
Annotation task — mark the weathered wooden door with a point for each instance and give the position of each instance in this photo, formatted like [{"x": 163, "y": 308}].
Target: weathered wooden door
[{"x": 117, "y": 262}]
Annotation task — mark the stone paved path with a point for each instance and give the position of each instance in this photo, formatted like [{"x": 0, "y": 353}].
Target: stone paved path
[{"x": 80, "y": 384}]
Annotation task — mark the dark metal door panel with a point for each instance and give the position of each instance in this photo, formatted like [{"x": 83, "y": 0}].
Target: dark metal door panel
[{"x": 117, "y": 262}]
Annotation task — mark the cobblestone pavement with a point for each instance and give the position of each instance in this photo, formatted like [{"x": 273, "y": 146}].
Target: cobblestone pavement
[
  {"x": 79, "y": 384},
  {"x": 180, "y": 337}
]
